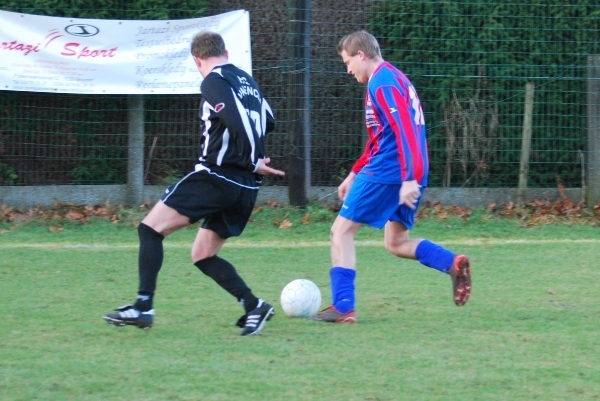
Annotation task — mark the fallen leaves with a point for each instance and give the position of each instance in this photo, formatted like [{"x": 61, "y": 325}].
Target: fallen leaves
[
  {"x": 542, "y": 211},
  {"x": 75, "y": 215},
  {"x": 272, "y": 203},
  {"x": 436, "y": 209},
  {"x": 59, "y": 211},
  {"x": 533, "y": 213},
  {"x": 285, "y": 224},
  {"x": 306, "y": 219}
]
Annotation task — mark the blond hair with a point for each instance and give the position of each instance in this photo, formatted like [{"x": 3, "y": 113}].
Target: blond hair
[
  {"x": 208, "y": 44},
  {"x": 360, "y": 40}
]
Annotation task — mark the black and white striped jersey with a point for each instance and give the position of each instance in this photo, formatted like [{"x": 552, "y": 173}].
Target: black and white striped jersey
[{"x": 234, "y": 119}]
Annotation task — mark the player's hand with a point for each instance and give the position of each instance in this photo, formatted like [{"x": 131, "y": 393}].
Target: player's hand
[
  {"x": 410, "y": 192},
  {"x": 345, "y": 186},
  {"x": 263, "y": 169}
]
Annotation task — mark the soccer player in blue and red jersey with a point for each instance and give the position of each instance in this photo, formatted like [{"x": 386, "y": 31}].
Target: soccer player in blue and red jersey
[{"x": 386, "y": 184}]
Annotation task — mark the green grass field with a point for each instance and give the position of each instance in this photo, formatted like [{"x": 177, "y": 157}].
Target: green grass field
[{"x": 529, "y": 332}]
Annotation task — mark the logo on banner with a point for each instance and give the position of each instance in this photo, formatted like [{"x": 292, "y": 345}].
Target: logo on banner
[
  {"x": 82, "y": 30},
  {"x": 76, "y": 55}
]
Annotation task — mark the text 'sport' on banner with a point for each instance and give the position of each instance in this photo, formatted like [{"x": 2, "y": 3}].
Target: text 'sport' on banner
[{"x": 76, "y": 55}]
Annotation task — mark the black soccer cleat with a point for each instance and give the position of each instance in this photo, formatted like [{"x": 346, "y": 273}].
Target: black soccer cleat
[
  {"x": 241, "y": 322},
  {"x": 256, "y": 319},
  {"x": 128, "y": 315}
]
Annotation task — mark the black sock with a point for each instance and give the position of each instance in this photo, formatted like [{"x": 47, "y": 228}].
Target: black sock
[
  {"x": 224, "y": 274},
  {"x": 150, "y": 261},
  {"x": 143, "y": 302}
]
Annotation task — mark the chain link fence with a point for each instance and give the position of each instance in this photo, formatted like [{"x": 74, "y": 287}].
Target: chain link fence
[{"x": 470, "y": 61}]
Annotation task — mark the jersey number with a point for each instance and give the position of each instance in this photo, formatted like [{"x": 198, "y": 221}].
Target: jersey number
[
  {"x": 255, "y": 117},
  {"x": 416, "y": 105}
]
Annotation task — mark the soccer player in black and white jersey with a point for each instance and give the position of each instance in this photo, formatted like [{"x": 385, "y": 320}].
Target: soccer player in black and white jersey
[{"x": 235, "y": 117}]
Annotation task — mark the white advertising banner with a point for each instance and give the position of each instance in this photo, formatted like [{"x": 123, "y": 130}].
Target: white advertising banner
[{"x": 75, "y": 55}]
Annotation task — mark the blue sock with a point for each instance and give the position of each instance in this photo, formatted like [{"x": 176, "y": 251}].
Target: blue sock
[
  {"x": 434, "y": 256},
  {"x": 342, "y": 288}
]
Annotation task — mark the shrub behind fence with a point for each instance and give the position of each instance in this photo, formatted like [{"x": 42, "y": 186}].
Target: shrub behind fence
[{"x": 469, "y": 60}]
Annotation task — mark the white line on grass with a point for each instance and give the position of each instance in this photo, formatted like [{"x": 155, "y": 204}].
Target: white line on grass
[{"x": 241, "y": 244}]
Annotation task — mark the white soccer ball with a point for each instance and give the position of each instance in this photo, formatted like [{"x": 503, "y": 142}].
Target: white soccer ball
[{"x": 301, "y": 298}]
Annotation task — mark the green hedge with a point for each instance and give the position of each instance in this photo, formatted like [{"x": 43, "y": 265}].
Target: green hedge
[
  {"x": 447, "y": 46},
  {"x": 110, "y": 9},
  {"x": 483, "y": 52},
  {"x": 88, "y": 121}
]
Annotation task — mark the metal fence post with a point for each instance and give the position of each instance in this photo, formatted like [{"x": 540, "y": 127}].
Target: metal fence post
[
  {"x": 525, "y": 142},
  {"x": 593, "y": 131},
  {"x": 135, "y": 156},
  {"x": 299, "y": 101}
]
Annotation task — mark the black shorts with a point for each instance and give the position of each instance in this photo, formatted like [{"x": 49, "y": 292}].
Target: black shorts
[{"x": 225, "y": 202}]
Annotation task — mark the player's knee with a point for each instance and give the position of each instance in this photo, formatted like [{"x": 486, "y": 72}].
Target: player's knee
[
  {"x": 200, "y": 254},
  {"x": 395, "y": 246},
  {"x": 146, "y": 232},
  {"x": 336, "y": 234},
  {"x": 389, "y": 245},
  {"x": 205, "y": 265}
]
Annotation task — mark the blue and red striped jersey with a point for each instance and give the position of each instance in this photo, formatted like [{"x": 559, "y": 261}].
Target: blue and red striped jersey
[{"x": 397, "y": 146}]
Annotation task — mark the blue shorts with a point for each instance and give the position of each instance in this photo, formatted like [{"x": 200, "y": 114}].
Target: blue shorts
[{"x": 375, "y": 204}]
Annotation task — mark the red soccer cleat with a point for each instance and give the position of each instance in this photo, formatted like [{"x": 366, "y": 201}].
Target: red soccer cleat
[
  {"x": 460, "y": 273},
  {"x": 332, "y": 315}
]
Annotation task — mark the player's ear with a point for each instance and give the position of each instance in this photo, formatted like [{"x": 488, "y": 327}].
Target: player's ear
[{"x": 197, "y": 61}]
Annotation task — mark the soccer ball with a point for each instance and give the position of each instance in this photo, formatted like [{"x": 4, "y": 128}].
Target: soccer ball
[{"x": 301, "y": 298}]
